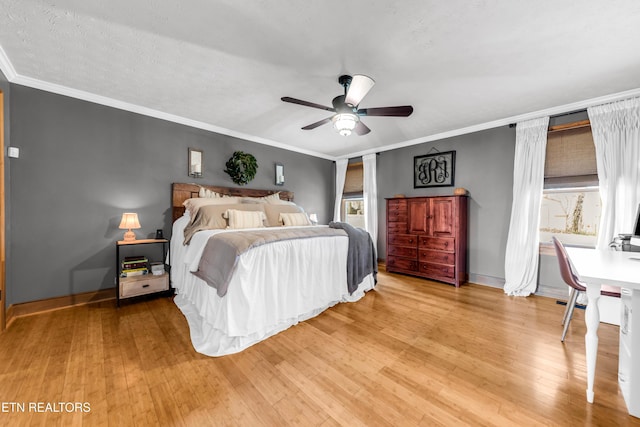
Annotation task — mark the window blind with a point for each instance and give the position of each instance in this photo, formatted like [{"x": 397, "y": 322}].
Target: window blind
[
  {"x": 570, "y": 159},
  {"x": 353, "y": 180}
]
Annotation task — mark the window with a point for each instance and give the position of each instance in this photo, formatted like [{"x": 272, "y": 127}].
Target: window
[
  {"x": 570, "y": 214},
  {"x": 352, "y": 196},
  {"x": 354, "y": 211},
  {"x": 571, "y": 206}
]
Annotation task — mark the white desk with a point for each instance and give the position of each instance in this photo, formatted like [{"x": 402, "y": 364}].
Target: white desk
[{"x": 616, "y": 268}]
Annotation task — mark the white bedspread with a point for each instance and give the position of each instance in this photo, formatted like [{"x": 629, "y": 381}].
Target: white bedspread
[{"x": 274, "y": 287}]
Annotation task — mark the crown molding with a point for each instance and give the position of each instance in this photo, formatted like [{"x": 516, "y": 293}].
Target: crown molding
[
  {"x": 561, "y": 109},
  {"x": 10, "y": 73},
  {"x": 6, "y": 67},
  {"x": 15, "y": 78},
  {"x": 110, "y": 102}
]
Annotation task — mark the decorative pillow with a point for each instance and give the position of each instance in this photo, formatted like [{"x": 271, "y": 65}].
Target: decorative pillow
[
  {"x": 245, "y": 219},
  {"x": 281, "y": 202},
  {"x": 194, "y": 204},
  {"x": 299, "y": 218},
  {"x": 205, "y": 192},
  {"x": 253, "y": 200},
  {"x": 211, "y": 217},
  {"x": 272, "y": 198},
  {"x": 273, "y": 213}
]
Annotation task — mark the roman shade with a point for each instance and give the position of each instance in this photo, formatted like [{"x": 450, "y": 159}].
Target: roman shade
[
  {"x": 353, "y": 183},
  {"x": 570, "y": 159}
]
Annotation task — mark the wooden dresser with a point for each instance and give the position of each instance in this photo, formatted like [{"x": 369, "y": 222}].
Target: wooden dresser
[{"x": 427, "y": 237}]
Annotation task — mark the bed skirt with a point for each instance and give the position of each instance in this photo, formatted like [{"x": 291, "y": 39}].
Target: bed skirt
[{"x": 266, "y": 297}]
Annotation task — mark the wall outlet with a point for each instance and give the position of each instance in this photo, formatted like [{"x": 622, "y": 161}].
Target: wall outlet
[{"x": 13, "y": 152}]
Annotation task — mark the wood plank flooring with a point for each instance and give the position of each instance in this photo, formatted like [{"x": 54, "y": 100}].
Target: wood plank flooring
[{"x": 411, "y": 353}]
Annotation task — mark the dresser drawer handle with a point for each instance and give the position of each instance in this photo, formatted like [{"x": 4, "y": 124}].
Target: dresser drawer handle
[{"x": 145, "y": 286}]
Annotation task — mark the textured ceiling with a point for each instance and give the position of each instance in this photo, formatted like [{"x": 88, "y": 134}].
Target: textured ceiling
[{"x": 224, "y": 65}]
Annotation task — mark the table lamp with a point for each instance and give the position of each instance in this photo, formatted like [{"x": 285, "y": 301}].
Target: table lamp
[{"x": 129, "y": 221}]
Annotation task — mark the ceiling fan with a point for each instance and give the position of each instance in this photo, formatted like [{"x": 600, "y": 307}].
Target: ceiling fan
[{"x": 347, "y": 114}]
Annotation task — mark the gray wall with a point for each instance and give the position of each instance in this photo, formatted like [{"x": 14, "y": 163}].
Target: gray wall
[
  {"x": 484, "y": 166},
  {"x": 81, "y": 165}
]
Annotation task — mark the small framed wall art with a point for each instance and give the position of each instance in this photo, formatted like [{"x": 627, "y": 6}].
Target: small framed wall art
[
  {"x": 279, "y": 174},
  {"x": 434, "y": 170},
  {"x": 195, "y": 163}
]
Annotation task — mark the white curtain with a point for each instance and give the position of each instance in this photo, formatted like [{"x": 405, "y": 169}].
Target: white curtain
[
  {"x": 521, "y": 260},
  {"x": 616, "y": 135},
  {"x": 370, "y": 190},
  {"x": 341, "y": 173}
]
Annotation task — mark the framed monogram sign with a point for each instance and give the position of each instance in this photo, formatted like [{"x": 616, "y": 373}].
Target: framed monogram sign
[{"x": 434, "y": 170}]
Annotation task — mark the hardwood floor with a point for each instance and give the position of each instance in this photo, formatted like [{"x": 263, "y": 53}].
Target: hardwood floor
[{"x": 410, "y": 353}]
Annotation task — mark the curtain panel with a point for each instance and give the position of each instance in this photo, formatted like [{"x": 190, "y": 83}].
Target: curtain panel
[
  {"x": 341, "y": 173},
  {"x": 616, "y": 135},
  {"x": 370, "y": 192},
  {"x": 522, "y": 254}
]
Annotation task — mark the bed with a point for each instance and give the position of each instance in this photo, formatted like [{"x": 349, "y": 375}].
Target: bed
[{"x": 272, "y": 286}]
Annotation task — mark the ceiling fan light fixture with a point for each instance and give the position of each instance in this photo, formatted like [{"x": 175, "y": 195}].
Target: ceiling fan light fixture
[
  {"x": 344, "y": 123},
  {"x": 346, "y": 107},
  {"x": 358, "y": 87}
]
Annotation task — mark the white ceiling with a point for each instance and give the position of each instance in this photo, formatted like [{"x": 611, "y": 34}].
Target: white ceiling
[{"x": 224, "y": 65}]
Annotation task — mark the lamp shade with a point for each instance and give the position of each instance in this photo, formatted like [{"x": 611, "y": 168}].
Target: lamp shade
[{"x": 129, "y": 221}]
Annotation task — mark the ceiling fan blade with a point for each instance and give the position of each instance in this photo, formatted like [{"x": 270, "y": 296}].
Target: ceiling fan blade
[
  {"x": 305, "y": 103},
  {"x": 402, "y": 111},
  {"x": 358, "y": 88},
  {"x": 361, "y": 129},
  {"x": 316, "y": 124}
]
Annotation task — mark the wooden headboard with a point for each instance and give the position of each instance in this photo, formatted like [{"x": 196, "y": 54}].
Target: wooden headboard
[{"x": 182, "y": 191}]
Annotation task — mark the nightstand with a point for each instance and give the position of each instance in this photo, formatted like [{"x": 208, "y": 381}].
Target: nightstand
[{"x": 134, "y": 286}]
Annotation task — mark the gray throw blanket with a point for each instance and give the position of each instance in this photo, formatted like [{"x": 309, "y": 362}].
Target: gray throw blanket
[
  {"x": 361, "y": 257},
  {"x": 221, "y": 252}
]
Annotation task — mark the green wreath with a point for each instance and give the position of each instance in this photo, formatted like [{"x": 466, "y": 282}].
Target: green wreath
[{"x": 241, "y": 167}]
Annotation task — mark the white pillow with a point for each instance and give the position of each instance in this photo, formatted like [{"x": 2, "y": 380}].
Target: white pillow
[
  {"x": 297, "y": 218},
  {"x": 204, "y": 192},
  {"x": 244, "y": 219}
]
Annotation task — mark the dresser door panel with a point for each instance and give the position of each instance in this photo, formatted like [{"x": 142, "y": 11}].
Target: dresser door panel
[
  {"x": 418, "y": 216},
  {"x": 442, "y": 217}
]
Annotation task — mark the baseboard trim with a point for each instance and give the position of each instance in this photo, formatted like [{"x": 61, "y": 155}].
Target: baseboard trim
[
  {"x": 481, "y": 279},
  {"x": 496, "y": 282},
  {"x": 15, "y": 311},
  {"x": 552, "y": 292}
]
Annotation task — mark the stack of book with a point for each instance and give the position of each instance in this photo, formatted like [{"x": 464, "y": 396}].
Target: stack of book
[{"x": 134, "y": 266}]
